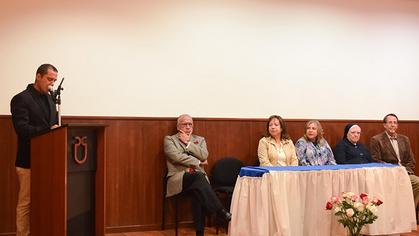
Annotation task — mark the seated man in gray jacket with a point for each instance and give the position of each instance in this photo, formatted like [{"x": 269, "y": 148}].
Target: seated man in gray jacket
[{"x": 186, "y": 155}]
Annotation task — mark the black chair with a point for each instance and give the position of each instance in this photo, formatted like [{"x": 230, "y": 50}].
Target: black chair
[
  {"x": 176, "y": 202},
  {"x": 257, "y": 162},
  {"x": 223, "y": 178}
]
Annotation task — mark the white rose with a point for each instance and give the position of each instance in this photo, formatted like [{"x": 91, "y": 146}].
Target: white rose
[
  {"x": 347, "y": 194},
  {"x": 359, "y": 206},
  {"x": 350, "y": 212},
  {"x": 372, "y": 208},
  {"x": 337, "y": 209}
]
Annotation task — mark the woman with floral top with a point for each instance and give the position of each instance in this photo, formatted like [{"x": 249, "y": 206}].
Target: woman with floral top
[
  {"x": 276, "y": 148},
  {"x": 312, "y": 148}
]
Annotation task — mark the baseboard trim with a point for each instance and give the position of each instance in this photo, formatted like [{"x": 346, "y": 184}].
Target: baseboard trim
[
  {"x": 138, "y": 228},
  {"x": 8, "y": 234}
]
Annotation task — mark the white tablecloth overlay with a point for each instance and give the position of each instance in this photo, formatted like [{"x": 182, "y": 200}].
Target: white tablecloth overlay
[{"x": 292, "y": 203}]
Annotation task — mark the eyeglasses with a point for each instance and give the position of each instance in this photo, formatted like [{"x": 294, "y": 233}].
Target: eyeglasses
[{"x": 186, "y": 124}]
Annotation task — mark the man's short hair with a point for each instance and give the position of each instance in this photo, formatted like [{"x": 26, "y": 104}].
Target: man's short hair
[
  {"x": 43, "y": 69},
  {"x": 391, "y": 114}
]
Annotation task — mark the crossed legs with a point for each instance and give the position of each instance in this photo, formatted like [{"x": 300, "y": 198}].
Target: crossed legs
[{"x": 204, "y": 199}]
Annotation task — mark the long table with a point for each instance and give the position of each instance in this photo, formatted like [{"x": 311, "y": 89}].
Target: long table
[{"x": 290, "y": 201}]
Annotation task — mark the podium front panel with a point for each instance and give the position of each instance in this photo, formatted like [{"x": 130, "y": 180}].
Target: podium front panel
[
  {"x": 81, "y": 173},
  {"x": 68, "y": 181}
]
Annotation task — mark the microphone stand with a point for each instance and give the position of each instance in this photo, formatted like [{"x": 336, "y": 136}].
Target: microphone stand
[
  {"x": 56, "y": 97},
  {"x": 58, "y": 103}
]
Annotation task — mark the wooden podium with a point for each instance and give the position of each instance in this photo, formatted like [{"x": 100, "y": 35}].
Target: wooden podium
[{"x": 68, "y": 181}]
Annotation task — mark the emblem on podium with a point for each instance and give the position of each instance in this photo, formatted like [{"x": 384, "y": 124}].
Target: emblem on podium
[{"x": 80, "y": 141}]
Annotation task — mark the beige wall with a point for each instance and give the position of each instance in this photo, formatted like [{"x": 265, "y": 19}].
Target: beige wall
[{"x": 301, "y": 59}]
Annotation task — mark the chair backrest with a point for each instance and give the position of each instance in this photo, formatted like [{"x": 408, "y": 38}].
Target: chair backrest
[{"x": 225, "y": 171}]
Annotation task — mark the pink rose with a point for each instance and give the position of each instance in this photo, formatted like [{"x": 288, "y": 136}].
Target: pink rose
[
  {"x": 364, "y": 198},
  {"x": 354, "y": 198},
  {"x": 363, "y": 195}
]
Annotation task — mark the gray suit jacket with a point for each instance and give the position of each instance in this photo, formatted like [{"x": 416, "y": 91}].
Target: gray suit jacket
[
  {"x": 382, "y": 151},
  {"x": 180, "y": 158}
]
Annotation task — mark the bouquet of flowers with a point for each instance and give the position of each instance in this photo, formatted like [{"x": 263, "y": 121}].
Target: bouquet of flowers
[{"x": 354, "y": 211}]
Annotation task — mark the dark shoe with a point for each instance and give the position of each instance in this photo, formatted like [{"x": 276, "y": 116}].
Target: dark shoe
[{"x": 224, "y": 215}]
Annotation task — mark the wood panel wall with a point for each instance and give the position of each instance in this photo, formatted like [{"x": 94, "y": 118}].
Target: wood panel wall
[{"x": 136, "y": 162}]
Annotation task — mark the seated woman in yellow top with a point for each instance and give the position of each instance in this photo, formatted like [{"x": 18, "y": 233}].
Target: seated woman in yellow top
[{"x": 276, "y": 148}]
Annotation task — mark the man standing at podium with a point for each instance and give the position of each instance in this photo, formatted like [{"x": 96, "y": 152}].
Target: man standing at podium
[{"x": 33, "y": 112}]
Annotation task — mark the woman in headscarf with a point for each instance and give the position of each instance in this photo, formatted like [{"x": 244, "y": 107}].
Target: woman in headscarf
[
  {"x": 349, "y": 150},
  {"x": 312, "y": 148}
]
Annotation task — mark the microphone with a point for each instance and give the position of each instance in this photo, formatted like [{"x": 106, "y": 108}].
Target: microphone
[
  {"x": 51, "y": 90},
  {"x": 58, "y": 91},
  {"x": 55, "y": 94}
]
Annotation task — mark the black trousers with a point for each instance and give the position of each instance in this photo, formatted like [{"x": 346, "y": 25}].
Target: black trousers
[{"x": 204, "y": 199}]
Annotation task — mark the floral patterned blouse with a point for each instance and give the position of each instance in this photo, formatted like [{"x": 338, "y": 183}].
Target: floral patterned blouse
[{"x": 310, "y": 154}]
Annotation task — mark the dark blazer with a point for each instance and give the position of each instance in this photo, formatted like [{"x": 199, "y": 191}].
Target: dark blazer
[
  {"x": 347, "y": 153},
  {"x": 382, "y": 151},
  {"x": 29, "y": 119}
]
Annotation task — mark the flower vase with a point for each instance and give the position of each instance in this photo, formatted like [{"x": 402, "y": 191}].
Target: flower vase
[{"x": 354, "y": 232}]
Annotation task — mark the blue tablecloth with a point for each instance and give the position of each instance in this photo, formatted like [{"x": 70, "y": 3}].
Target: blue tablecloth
[{"x": 258, "y": 171}]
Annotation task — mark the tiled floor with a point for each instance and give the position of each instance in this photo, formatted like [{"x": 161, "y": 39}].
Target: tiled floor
[{"x": 191, "y": 232}]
